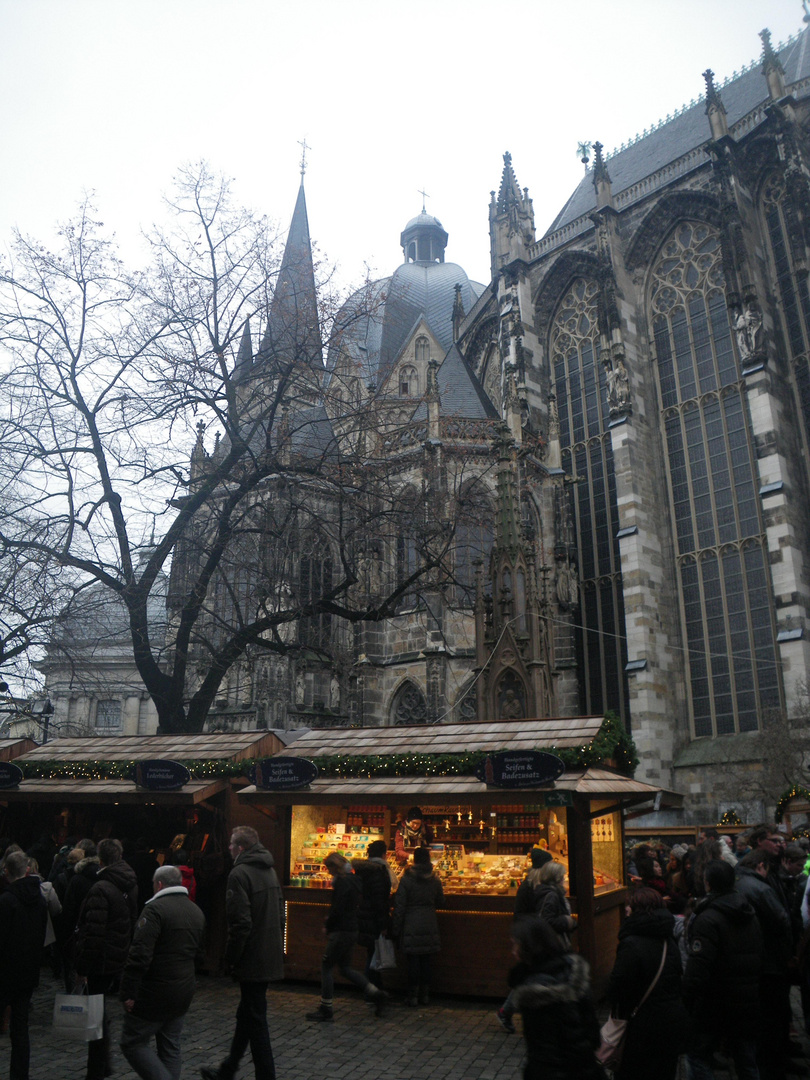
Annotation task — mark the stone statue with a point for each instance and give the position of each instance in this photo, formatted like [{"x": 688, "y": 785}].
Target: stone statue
[
  {"x": 618, "y": 386},
  {"x": 747, "y": 327},
  {"x": 299, "y": 689},
  {"x": 334, "y": 693},
  {"x": 512, "y": 708}
]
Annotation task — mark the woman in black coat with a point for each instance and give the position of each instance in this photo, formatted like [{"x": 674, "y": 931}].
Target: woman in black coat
[
  {"x": 415, "y": 924},
  {"x": 655, "y": 1037},
  {"x": 551, "y": 989}
]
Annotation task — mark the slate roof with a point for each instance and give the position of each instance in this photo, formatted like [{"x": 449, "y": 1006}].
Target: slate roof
[
  {"x": 460, "y": 392},
  {"x": 686, "y": 132}
]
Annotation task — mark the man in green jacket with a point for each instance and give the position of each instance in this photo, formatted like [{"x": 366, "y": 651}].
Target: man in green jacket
[
  {"x": 254, "y": 953},
  {"x": 158, "y": 981}
]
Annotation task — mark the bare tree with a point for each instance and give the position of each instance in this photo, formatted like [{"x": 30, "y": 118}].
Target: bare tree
[{"x": 113, "y": 381}]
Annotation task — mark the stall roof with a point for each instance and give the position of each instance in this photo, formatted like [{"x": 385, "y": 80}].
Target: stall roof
[
  {"x": 13, "y": 748},
  {"x": 230, "y": 746},
  {"x": 596, "y": 783},
  {"x": 109, "y": 791},
  {"x": 570, "y": 731}
]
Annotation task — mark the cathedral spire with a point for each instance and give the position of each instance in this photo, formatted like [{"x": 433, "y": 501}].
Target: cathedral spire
[
  {"x": 715, "y": 109},
  {"x": 291, "y": 345},
  {"x": 601, "y": 179},
  {"x": 772, "y": 67},
  {"x": 509, "y": 194},
  {"x": 511, "y": 220},
  {"x": 244, "y": 358}
]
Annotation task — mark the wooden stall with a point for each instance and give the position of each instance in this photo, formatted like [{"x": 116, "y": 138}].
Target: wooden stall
[
  {"x": 70, "y": 789},
  {"x": 481, "y": 834}
]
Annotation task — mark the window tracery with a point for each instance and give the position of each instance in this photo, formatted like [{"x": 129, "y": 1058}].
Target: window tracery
[
  {"x": 408, "y": 381},
  {"x": 314, "y": 582},
  {"x": 409, "y": 706},
  {"x": 720, "y": 545}
]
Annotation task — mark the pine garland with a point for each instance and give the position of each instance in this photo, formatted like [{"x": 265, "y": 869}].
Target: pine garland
[
  {"x": 796, "y": 791},
  {"x": 612, "y": 743}
]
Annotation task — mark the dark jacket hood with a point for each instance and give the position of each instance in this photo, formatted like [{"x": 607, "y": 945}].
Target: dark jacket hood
[
  {"x": 562, "y": 980},
  {"x": 419, "y": 871},
  {"x": 733, "y": 905},
  {"x": 120, "y": 874},
  {"x": 658, "y": 923},
  {"x": 256, "y": 856},
  {"x": 88, "y": 866},
  {"x": 26, "y": 890}
]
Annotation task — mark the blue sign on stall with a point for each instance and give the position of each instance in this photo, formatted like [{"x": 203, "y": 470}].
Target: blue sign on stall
[
  {"x": 10, "y": 775},
  {"x": 159, "y": 775},
  {"x": 283, "y": 773},
  {"x": 520, "y": 769}
]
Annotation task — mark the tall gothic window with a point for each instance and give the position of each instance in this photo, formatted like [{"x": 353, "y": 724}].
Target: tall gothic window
[
  {"x": 314, "y": 580},
  {"x": 407, "y": 549},
  {"x": 792, "y": 288},
  {"x": 581, "y": 390},
  {"x": 473, "y": 539},
  {"x": 720, "y": 544},
  {"x": 422, "y": 350},
  {"x": 408, "y": 381}
]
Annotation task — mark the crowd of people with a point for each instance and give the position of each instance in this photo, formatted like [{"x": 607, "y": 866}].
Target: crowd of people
[{"x": 714, "y": 938}]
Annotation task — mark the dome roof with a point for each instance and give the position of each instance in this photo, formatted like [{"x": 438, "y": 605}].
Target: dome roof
[
  {"x": 422, "y": 220},
  {"x": 380, "y": 318}
]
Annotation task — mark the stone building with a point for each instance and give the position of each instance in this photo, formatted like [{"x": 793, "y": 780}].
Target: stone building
[{"x": 624, "y": 411}]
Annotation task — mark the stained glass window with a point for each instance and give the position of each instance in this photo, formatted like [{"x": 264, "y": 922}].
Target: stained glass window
[
  {"x": 409, "y": 706},
  {"x": 581, "y": 389},
  {"x": 720, "y": 543}
]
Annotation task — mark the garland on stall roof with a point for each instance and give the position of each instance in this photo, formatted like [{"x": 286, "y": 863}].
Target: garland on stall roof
[
  {"x": 612, "y": 743},
  {"x": 796, "y": 791}
]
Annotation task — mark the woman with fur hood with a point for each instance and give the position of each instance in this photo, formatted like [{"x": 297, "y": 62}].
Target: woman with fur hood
[
  {"x": 551, "y": 988},
  {"x": 415, "y": 924}
]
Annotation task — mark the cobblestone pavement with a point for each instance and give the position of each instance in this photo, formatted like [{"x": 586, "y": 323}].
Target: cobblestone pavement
[
  {"x": 448, "y": 1040},
  {"x": 451, "y": 1039}
]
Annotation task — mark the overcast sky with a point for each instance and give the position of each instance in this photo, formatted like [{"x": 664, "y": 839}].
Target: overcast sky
[{"x": 112, "y": 96}]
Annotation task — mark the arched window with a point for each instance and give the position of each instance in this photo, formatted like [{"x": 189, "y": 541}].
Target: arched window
[
  {"x": 721, "y": 555},
  {"x": 408, "y": 381},
  {"x": 587, "y": 454},
  {"x": 422, "y": 350},
  {"x": 407, "y": 524},
  {"x": 473, "y": 539},
  {"x": 409, "y": 706},
  {"x": 314, "y": 582}
]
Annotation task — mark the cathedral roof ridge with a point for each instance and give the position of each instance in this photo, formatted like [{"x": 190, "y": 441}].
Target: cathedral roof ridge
[{"x": 700, "y": 100}]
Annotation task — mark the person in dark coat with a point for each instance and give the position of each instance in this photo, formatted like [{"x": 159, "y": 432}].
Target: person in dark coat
[
  {"x": 412, "y": 833},
  {"x": 552, "y": 991},
  {"x": 104, "y": 932},
  {"x": 655, "y": 1036},
  {"x": 374, "y": 913},
  {"x": 721, "y": 981},
  {"x": 158, "y": 982},
  {"x": 144, "y": 863},
  {"x": 552, "y": 904},
  {"x": 341, "y": 928},
  {"x": 23, "y": 918},
  {"x": 753, "y": 877},
  {"x": 525, "y": 908},
  {"x": 254, "y": 952},
  {"x": 416, "y": 927}
]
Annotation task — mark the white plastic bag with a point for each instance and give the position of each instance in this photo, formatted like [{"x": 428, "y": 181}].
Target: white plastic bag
[
  {"x": 79, "y": 1016},
  {"x": 384, "y": 958}
]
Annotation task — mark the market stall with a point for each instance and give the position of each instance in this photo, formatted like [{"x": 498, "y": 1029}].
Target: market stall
[
  {"x": 86, "y": 787},
  {"x": 481, "y": 833}
]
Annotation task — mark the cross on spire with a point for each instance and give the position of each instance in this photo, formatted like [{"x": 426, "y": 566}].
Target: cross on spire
[
  {"x": 304, "y": 147},
  {"x": 424, "y": 195}
]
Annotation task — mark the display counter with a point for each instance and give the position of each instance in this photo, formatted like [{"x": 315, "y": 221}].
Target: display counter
[{"x": 480, "y": 841}]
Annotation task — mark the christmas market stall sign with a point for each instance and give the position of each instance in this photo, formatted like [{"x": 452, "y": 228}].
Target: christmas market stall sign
[
  {"x": 160, "y": 775},
  {"x": 283, "y": 773},
  {"x": 10, "y": 775},
  {"x": 520, "y": 769}
]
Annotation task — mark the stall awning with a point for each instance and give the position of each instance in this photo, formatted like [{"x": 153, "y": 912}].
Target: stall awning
[
  {"x": 111, "y": 792},
  {"x": 595, "y": 783},
  {"x": 565, "y": 733}
]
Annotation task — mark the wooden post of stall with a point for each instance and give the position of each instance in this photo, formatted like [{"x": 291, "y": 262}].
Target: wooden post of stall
[{"x": 580, "y": 874}]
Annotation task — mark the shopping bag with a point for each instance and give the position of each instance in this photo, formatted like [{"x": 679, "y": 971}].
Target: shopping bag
[
  {"x": 610, "y": 1049},
  {"x": 79, "y": 1016},
  {"x": 384, "y": 958}
]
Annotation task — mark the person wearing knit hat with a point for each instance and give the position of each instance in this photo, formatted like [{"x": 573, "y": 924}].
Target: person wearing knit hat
[
  {"x": 412, "y": 833},
  {"x": 539, "y": 857}
]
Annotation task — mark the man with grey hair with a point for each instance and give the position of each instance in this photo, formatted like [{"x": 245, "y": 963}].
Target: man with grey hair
[{"x": 158, "y": 982}]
